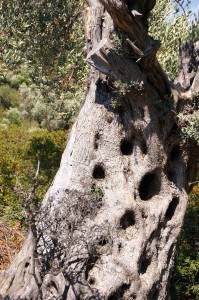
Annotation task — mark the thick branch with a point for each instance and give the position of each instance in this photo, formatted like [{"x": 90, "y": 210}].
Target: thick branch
[
  {"x": 106, "y": 60},
  {"x": 188, "y": 77},
  {"x": 139, "y": 39},
  {"x": 127, "y": 22}
]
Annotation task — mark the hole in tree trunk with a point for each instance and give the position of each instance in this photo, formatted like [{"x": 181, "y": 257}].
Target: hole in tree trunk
[
  {"x": 155, "y": 295},
  {"x": 145, "y": 263},
  {"x": 144, "y": 215},
  {"x": 191, "y": 80},
  {"x": 174, "y": 168},
  {"x": 175, "y": 153},
  {"x": 119, "y": 246},
  {"x": 91, "y": 280},
  {"x": 96, "y": 140},
  {"x": 119, "y": 293},
  {"x": 127, "y": 219},
  {"x": 144, "y": 147},
  {"x": 52, "y": 285},
  {"x": 149, "y": 186},
  {"x": 98, "y": 172},
  {"x": 171, "y": 209},
  {"x": 102, "y": 241},
  {"x": 175, "y": 127},
  {"x": 90, "y": 264},
  {"x": 126, "y": 147},
  {"x": 172, "y": 176}
]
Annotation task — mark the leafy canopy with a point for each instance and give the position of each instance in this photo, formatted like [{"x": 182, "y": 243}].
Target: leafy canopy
[
  {"x": 170, "y": 21},
  {"x": 41, "y": 49}
]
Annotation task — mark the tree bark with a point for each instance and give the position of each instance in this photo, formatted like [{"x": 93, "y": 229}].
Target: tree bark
[{"x": 108, "y": 225}]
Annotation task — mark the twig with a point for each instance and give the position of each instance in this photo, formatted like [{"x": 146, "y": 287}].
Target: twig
[
  {"x": 191, "y": 183},
  {"x": 178, "y": 2}
]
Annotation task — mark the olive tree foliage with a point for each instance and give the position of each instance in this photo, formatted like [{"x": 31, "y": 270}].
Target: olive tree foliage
[
  {"x": 44, "y": 41},
  {"x": 50, "y": 109},
  {"x": 169, "y": 23},
  {"x": 41, "y": 32}
]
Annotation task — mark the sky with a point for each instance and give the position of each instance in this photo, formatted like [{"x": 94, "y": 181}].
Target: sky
[{"x": 194, "y": 5}]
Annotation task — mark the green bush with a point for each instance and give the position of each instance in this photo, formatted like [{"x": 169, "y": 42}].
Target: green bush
[
  {"x": 13, "y": 116},
  {"x": 185, "y": 279},
  {"x": 17, "y": 79},
  {"x": 9, "y": 97},
  {"x": 19, "y": 152}
]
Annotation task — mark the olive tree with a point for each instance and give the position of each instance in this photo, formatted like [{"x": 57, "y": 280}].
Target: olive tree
[{"x": 108, "y": 225}]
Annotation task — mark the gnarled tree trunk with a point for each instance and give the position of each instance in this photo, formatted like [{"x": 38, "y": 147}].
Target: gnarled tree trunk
[{"x": 108, "y": 225}]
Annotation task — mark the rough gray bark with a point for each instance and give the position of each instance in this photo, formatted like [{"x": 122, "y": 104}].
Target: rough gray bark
[{"x": 108, "y": 225}]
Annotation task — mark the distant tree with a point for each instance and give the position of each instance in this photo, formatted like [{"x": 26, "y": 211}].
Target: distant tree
[
  {"x": 30, "y": 95},
  {"x": 14, "y": 116},
  {"x": 9, "y": 97}
]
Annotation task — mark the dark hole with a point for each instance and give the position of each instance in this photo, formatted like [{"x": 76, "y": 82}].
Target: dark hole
[
  {"x": 98, "y": 172},
  {"x": 171, "y": 209},
  {"x": 119, "y": 293},
  {"x": 191, "y": 80},
  {"x": 141, "y": 112},
  {"x": 103, "y": 241},
  {"x": 26, "y": 265},
  {"x": 155, "y": 295},
  {"x": 144, "y": 147},
  {"x": 171, "y": 176},
  {"x": 175, "y": 127},
  {"x": 190, "y": 68},
  {"x": 144, "y": 215},
  {"x": 127, "y": 219},
  {"x": 97, "y": 136},
  {"x": 90, "y": 264},
  {"x": 144, "y": 264},
  {"x": 52, "y": 284},
  {"x": 175, "y": 153},
  {"x": 96, "y": 140},
  {"x": 91, "y": 280},
  {"x": 149, "y": 186},
  {"x": 126, "y": 147},
  {"x": 173, "y": 168},
  {"x": 119, "y": 246},
  {"x": 133, "y": 296}
]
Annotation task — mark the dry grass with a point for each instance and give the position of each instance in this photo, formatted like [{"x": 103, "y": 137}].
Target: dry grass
[{"x": 11, "y": 239}]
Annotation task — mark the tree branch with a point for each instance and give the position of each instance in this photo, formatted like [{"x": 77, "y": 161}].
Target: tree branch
[
  {"x": 103, "y": 58},
  {"x": 127, "y": 22}
]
